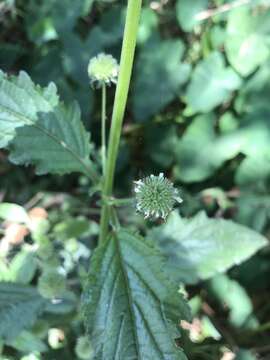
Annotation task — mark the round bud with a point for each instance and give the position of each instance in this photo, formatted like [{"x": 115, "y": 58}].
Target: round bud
[
  {"x": 155, "y": 196},
  {"x": 103, "y": 69}
]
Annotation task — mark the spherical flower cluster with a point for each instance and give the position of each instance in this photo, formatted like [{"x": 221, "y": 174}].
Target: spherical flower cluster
[
  {"x": 103, "y": 69},
  {"x": 155, "y": 196}
]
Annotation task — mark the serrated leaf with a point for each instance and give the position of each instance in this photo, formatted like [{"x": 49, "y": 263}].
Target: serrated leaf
[
  {"x": 129, "y": 303},
  {"x": 158, "y": 67},
  {"x": 41, "y": 131},
  {"x": 211, "y": 84},
  {"x": 20, "y": 306},
  {"x": 201, "y": 247},
  {"x": 20, "y": 103}
]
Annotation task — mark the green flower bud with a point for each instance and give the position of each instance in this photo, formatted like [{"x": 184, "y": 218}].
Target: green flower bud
[
  {"x": 103, "y": 69},
  {"x": 51, "y": 284},
  {"x": 84, "y": 349},
  {"x": 155, "y": 196}
]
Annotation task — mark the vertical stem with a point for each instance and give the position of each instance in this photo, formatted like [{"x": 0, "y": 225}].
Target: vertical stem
[
  {"x": 126, "y": 62},
  {"x": 103, "y": 128}
]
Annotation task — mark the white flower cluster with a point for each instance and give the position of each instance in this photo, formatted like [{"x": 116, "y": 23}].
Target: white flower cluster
[{"x": 103, "y": 69}]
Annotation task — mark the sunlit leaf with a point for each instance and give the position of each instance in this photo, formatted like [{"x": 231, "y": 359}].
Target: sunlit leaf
[{"x": 200, "y": 247}]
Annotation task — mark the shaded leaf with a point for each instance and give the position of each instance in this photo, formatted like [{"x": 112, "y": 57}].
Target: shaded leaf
[
  {"x": 187, "y": 10},
  {"x": 201, "y": 247},
  {"x": 159, "y": 75},
  {"x": 28, "y": 342},
  {"x": 125, "y": 271},
  {"x": 200, "y": 151},
  {"x": 231, "y": 293},
  {"x": 20, "y": 306}
]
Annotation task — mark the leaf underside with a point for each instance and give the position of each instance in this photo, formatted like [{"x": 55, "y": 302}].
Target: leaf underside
[
  {"x": 39, "y": 130},
  {"x": 129, "y": 304}
]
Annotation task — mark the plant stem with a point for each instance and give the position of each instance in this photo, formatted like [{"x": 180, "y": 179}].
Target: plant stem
[
  {"x": 126, "y": 62},
  {"x": 103, "y": 128}
]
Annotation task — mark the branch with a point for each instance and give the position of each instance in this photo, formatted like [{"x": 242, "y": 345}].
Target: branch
[{"x": 206, "y": 14}]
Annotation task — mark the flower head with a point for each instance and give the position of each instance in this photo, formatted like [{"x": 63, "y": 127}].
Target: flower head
[
  {"x": 155, "y": 196},
  {"x": 103, "y": 69}
]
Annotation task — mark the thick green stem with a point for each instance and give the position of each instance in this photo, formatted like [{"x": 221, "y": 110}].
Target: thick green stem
[
  {"x": 126, "y": 62},
  {"x": 103, "y": 128}
]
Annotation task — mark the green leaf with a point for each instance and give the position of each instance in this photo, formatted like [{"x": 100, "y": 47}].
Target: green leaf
[
  {"x": 20, "y": 306},
  {"x": 247, "y": 41},
  {"x": 71, "y": 228},
  {"x": 211, "y": 84},
  {"x": 27, "y": 342},
  {"x": 201, "y": 247},
  {"x": 245, "y": 355},
  {"x": 159, "y": 75},
  {"x": 23, "y": 267},
  {"x": 160, "y": 142},
  {"x": 44, "y": 21},
  {"x": 231, "y": 293},
  {"x": 78, "y": 52},
  {"x": 200, "y": 151},
  {"x": 20, "y": 103},
  {"x": 41, "y": 131},
  {"x": 255, "y": 92},
  {"x": 13, "y": 212},
  {"x": 148, "y": 24},
  {"x": 186, "y": 12},
  {"x": 125, "y": 271},
  {"x": 253, "y": 209}
]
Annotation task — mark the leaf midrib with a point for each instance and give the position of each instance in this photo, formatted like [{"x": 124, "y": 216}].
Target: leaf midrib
[
  {"x": 129, "y": 296},
  {"x": 29, "y": 122}
]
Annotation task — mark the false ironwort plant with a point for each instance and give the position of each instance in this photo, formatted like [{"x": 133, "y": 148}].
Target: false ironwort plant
[{"x": 132, "y": 306}]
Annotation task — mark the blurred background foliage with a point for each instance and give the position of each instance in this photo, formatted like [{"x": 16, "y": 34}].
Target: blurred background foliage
[{"x": 199, "y": 110}]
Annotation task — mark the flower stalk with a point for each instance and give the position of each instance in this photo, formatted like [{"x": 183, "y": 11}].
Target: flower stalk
[
  {"x": 126, "y": 63},
  {"x": 103, "y": 128}
]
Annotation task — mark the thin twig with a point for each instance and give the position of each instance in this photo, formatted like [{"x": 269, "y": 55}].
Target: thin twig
[
  {"x": 34, "y": 200},
  {"x": 206, "y": 14}
]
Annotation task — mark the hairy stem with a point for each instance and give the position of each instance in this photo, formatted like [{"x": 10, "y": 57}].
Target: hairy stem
[
  {"x": 103, "y": 128},
  {"x": 126, "y": 62}
]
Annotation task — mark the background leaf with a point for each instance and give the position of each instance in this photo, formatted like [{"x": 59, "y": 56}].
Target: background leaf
[
  {"x": 162, "y": 58},
  {"x": 247, "y": 42},
  {"x": 186, "y": 12},
  {"x": 211, "y": 84},
  {"x": 20, "y": 306},
  {"x": 194, "y": 247}
]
